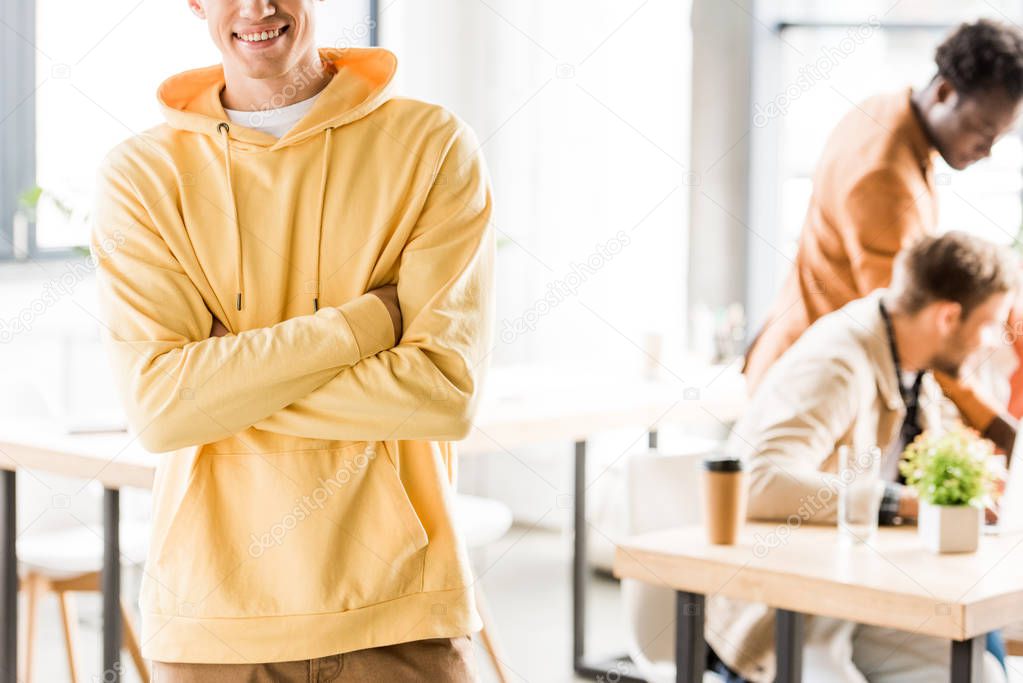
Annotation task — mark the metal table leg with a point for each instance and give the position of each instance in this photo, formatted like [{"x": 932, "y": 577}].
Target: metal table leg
[
  {"x": 111, "y": 586},
  {"x": 8, "y": 579},
  {"x": 967, "y": 660},
  {"x": 606, "y": 668},
  {"x": 788, "y": 644},
  {"x": 690, "y": 645},
  {"x": 579, "y": 575}
]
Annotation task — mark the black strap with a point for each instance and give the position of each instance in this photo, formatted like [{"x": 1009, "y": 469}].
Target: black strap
[{"x": 910, "y": 428}]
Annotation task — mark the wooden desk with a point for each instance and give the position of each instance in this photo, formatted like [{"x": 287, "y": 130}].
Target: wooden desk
[
  {"x": 521, "y": 407},
  {"x": 892, "y": 582}
]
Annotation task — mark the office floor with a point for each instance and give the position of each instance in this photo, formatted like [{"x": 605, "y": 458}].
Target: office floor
[{"x": 526, "y": 579}]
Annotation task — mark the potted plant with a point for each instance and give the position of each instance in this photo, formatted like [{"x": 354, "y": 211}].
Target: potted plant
[{"x": 951, "y": 474}]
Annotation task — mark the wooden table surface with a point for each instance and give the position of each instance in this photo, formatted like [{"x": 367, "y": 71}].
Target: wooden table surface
[
  {"x": 892, "y": 581},
  {"x": 115, "y": 459},
  {"x": 520, "y": 407}
]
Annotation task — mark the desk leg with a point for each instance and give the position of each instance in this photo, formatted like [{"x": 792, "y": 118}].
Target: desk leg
[
  {"x": 8, "y": 579},
  {"x": 618, "y": 669},
  {"x": 690, "y": 645},
  {"x": 788, "y": 644},
  {"x": 579, "y": 575},
  {"x": 968, "y": 660},
  {"x": 111, "y": 586}
]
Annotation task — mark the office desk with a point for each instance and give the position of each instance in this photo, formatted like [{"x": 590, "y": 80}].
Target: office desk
[
  {"x": 894, "y": 582},
  {"x": 521, "y": 407}
]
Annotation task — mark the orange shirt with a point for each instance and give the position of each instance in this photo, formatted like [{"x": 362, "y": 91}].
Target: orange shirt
[{"x": 1016, "y": 380}]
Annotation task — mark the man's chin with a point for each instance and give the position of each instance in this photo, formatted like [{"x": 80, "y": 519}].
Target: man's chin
[
  {"x": 260, "y": 66},
  {"x": 261, "y": 72},
  {"x": 947, "y": 367},
  {"x": 958, "y": 164}
]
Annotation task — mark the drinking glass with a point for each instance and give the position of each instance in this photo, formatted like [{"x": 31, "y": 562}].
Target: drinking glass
[{"x": 860, "y": 491}]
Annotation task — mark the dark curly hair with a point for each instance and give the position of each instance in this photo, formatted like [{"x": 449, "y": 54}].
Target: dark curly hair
[{"x": 981, "y": 57}]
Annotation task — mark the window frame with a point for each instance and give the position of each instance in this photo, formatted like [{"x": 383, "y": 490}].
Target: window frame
[{"x": 18, "y": 127}]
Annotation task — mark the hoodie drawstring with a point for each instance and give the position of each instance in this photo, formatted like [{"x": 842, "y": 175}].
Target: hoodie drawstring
[
  {"x": 224, "y": 129},
  {"x": 323, "y": 199}
]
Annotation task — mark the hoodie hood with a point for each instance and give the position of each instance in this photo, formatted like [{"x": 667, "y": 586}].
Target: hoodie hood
[{"x": 361, "y": 83}]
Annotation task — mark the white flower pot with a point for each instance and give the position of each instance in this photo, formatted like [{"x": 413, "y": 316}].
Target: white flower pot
[{"x": 950, "y": 528}]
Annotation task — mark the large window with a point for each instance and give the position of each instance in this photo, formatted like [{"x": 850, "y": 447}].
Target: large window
[{"x": 97, "y": 67}]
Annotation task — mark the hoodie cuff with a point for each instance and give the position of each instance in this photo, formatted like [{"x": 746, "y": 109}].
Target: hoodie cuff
[
  {"x": 888, "y": 513},
  {"x": 371, "y": 324}
]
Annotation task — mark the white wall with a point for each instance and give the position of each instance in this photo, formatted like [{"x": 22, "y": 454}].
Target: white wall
[
  {"x": 583, "y": 112},
  {"x": 719, "y": 185}
]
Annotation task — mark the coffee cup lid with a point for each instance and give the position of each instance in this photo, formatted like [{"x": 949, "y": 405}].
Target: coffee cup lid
[{"x": 722, "y": 464}]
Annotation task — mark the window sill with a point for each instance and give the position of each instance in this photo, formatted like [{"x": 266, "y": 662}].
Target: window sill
[{"x": 42, "y": 266}]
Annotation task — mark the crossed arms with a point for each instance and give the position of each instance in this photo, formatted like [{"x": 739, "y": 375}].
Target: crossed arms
[{"x": 335, "y": 374}]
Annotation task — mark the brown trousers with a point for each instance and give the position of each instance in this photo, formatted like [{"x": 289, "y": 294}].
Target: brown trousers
[{"x": 436, "y": 660}]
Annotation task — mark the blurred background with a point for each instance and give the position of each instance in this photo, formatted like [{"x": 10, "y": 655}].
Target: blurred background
[{"x": 656, "y": 154}]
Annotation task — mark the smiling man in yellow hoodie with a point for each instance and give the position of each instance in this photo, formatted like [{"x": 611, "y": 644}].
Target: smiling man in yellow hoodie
[{"x": 299, "y": 309}]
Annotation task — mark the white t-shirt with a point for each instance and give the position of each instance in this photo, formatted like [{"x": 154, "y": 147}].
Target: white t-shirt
[{"x": 276, "y": 122}]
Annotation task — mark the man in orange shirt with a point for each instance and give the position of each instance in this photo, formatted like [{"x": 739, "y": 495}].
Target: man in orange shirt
[{"x": 874, "y": 193}]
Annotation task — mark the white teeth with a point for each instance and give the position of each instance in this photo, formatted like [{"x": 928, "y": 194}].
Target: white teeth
[{"x": 259, "y": 37}]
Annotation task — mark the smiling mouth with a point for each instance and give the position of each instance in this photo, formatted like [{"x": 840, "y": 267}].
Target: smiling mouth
[{"x": 261, "y": 38}]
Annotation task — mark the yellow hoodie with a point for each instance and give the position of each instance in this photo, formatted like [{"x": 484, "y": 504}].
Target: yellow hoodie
[{"x": 302, "y": 504}]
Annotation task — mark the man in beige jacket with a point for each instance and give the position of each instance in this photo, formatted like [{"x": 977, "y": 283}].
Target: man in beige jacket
[{"x": 860, "y": 376}]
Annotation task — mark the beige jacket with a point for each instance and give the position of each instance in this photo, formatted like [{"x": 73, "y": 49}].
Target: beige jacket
[{"x": 836, "y": 385}]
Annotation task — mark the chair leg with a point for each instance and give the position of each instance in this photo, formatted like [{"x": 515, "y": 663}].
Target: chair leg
[
  {"x": 33, "y": 585},
  {"x": 69, "y": 619},
  {"x": 489, "y": 635},
  {"x": 131, "y": 643}
]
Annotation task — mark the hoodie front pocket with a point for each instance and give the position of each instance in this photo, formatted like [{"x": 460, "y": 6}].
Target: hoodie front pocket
[{"x": 301, "y": 532}]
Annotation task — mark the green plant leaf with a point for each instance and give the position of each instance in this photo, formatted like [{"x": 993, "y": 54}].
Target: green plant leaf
[
  {"x": 29, "y": 199},
  {"x": 949, "y": 469}
]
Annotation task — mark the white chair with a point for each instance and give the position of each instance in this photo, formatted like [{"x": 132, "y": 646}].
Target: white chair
[
  {"x": 482, "y": 521},
  {"x": 662, "y": 491},
  {"x": 70, "y": 561}
]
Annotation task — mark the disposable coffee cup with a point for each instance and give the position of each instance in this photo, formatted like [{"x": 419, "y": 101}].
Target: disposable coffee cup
[{"x": 724, "y": 499}]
